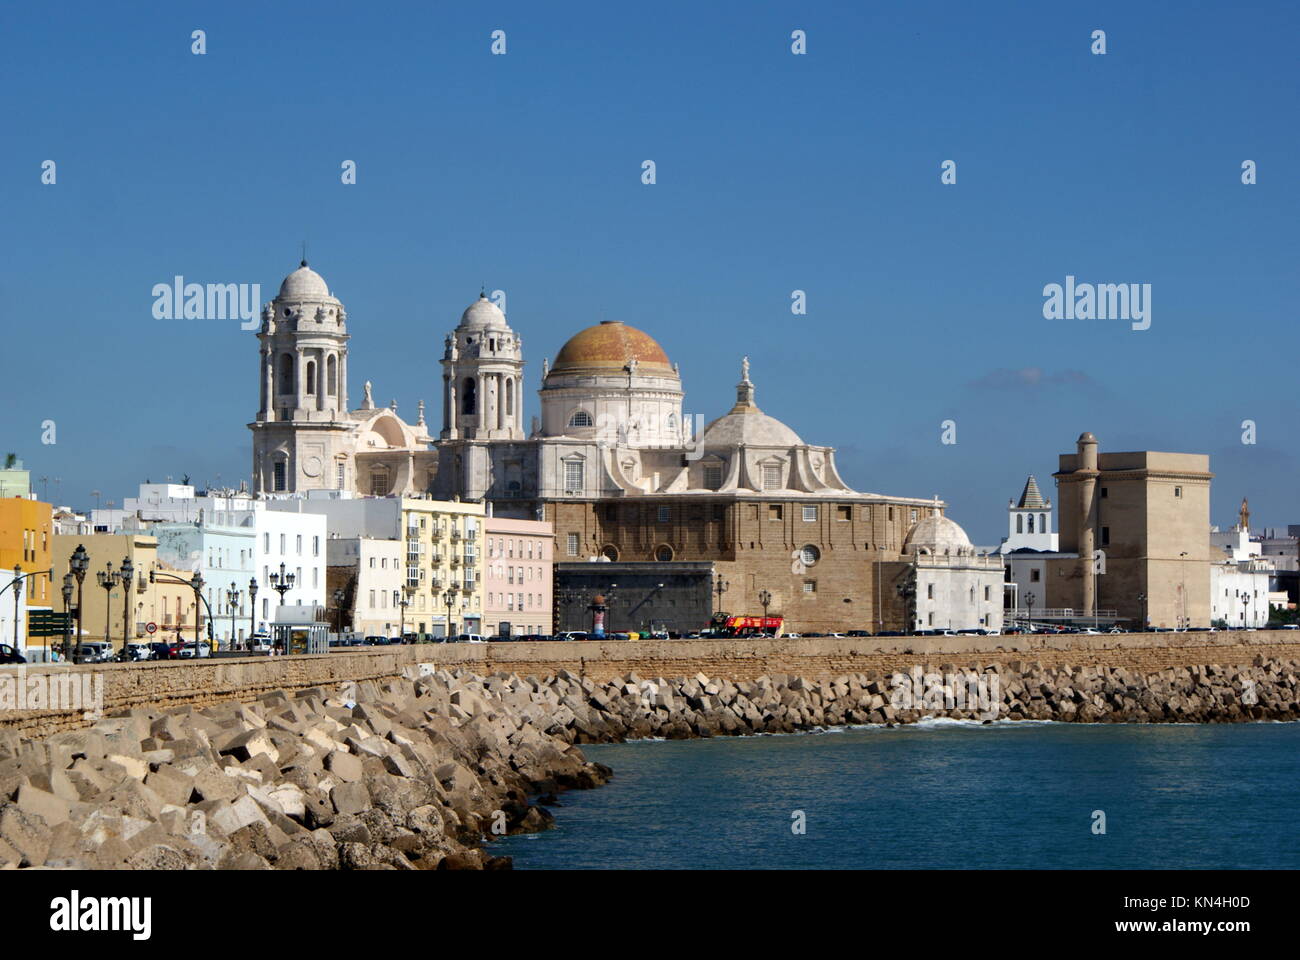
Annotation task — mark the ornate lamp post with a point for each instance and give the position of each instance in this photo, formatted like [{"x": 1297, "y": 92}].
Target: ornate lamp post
[
  {"x": 720, "y": 587},
  {"x": 449, "y": 595},
  {"x": 127, "y": 574},
  {"x": 79, "y": 563},
  {"x": 765, "y": 598},
  {"x": 233, "y": 596},
  {"x": 18, "y": 595},
  {"x": 281, "y": 582},
  {"x": 1029, "y": 602},
  {"x": 108, "y": 579},
  {"x": 67, "y": 619},
  {"x": 252, "y": 608},
  {"x": 404, "y": 602}
]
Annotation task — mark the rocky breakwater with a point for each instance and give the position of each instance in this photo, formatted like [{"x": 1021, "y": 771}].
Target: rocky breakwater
[
  {"x": 633, "y": 707},
  {"x": 410, "y": 774}
]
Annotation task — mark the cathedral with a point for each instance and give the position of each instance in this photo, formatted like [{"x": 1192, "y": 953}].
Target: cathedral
[{"x": 611, "y": 462}]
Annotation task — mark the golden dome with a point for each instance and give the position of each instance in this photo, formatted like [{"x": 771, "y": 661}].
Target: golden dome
[{"x": 609, "y": 346}]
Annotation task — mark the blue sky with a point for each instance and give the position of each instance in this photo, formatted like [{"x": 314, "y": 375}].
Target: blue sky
[{"x": 775, "y": 172}]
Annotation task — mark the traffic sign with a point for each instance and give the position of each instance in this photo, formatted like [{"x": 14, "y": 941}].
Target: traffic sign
[{"x": 151, "y": 627}]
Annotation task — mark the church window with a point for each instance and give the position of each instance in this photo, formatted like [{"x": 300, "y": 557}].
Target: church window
[
  {"x": 278, "y": 481},
  {"x": 810, "y": 586},
  {"x": 771, "y": 476},
  {"x": 987, "y": 596},
  {"x": 672, "y": 423},
  {"x": 378, "y": 483},
  {"x": 469, "y": 401},
  {"x": 664, "y": 553},
  {"x": 1042, "y": 523},
  {"x": 572, "y": 544},
  {"x": 311, "y": 378},
  {"x": 573, "y": 476},
  {"x": 913, "y": 516},
  {"x": 1178, "y": 491},
  {"x": 713, "y": 476},
  {"x": 809, "y": 555},
  {"x": 510, "y": 397},
  {"x": 1034, "y": 576},
  {"x": 580, "y": 418},
  {"x": 332, "y": 376},
  {"x": 1105, "y": 536},
  {"x": 1031, "y": 523},
  {"x": 929, "y": 591},
  {"x": 286, "y": 373},
  {"x": 664, "y": 514},
  {"x": 610, "y": 551},
  {"x": 342, "y": 475},
  {"x": 1020, "y": 523},
  {"x": 810, "y": 513}
]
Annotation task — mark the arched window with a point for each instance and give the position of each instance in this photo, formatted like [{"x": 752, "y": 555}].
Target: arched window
[
  {"x": 1031, "y": 523},
  {"x": 580, "y": 418},
  {"x": 311, "y": 378},
  {"x": 332, "y": 376},
  {"x": 664, "y": 553},
  {"x": 470, "y": 394},
  {"x": 1042, "y": 523},
  {"x": 286, "y": 373},
  {"x": 1020, "y": 523},
  {"x": 510, "y": 397}
]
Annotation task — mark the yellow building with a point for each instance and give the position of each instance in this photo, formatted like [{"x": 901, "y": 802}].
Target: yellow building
[
  {"x": 166, "y": 605},
  {"x": 25, "y": 530},
  {"x": 443, "y": 539}
]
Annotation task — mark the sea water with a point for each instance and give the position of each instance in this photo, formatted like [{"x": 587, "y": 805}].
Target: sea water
[{"x": 938, "y": 794}]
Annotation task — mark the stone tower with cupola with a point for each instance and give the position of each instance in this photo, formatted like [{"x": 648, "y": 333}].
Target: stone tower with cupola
[
  {"x": 1029, "y": 521},
  {"x": 300, "y": 434},
  {"x": 482, "y": 377}
]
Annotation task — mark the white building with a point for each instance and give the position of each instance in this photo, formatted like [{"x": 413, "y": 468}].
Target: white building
[
  {"x": 1239, "y": 594},
  {"x": 956, "y": 588},
  {"x": 273, "y": 538}
]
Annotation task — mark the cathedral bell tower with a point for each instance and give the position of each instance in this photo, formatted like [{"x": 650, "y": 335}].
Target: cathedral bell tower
[
  {"x": 483, "y": 366},
  {"x": 303, "y": 378}
]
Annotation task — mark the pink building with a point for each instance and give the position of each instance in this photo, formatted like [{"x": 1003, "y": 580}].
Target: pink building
[{"x": 517, "y": 576}]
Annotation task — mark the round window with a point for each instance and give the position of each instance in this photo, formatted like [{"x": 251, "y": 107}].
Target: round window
[
  {"x": 663, "y": 553},
  {"x": 810, "y": 555}
]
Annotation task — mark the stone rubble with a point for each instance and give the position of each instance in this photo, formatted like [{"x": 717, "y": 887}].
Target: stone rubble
[{"x": 415, "y": 773}]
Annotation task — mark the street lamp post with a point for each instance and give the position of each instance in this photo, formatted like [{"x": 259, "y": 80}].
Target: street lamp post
[
  {"x": 1185, "y": 619},
  {"x": 450, "y": 596},
  {"x": 1029, "y": 602},
  {"x": 67, "y": 619},
  {"x": 108, "y": 579},
  {"x": 252, "y": 609},
  {"x": 18, "y": 593},
  {"x": 404, "y": 602},
  {"x": 281, "y": 582},
  {"x": 127, "y": 574},
  {"x": 79, "y": 563},
  {"x": 765, "y": 598},
  {"x": 233, "y": 596},
  {"x": 720, "y": 587}
]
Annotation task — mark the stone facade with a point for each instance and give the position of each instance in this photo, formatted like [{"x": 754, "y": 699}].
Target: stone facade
[{"x": 1138, "y": 524}]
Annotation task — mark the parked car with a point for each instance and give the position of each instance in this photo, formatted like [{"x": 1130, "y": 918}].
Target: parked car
[
  {"x": 159, "y": 650},
  {"x": 376, "y": 641},
  {"x": 9, "y": 655},
  {"x": 133, "y": 652},
  {"x": 96, "y": 651},
  {"x": 186, "y": 650},
  {"x": 858, "y": 633}
]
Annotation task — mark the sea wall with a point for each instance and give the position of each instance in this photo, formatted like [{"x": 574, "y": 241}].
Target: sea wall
[{"x": 200, "y": 683}]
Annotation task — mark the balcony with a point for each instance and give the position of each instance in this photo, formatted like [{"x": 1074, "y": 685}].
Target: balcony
[
  {"x": 455, "y": 560},
  {"x": 455, "y": 536},
  {"x": 469, "y": 585}
]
